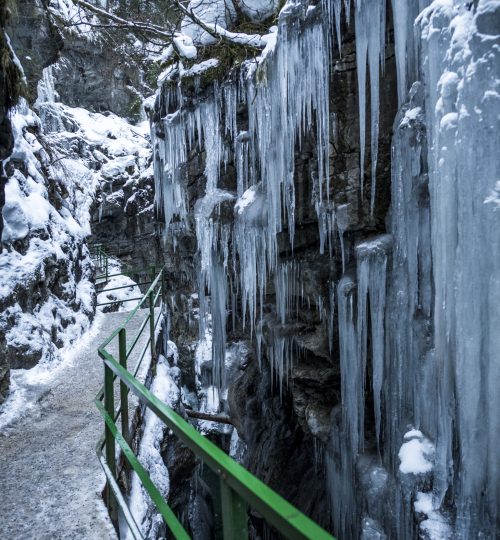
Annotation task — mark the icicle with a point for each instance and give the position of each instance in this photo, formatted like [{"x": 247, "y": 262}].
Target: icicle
[
  {"x": 281, "y": 111},
  {"x": 218, "y": 290},
  {"x": 361, "y": 56},
  {"x": 371, "y": 275},
  {"x": 370, "y": 39},
  {"x": 352, "y": 376},
  {"x": 331, "y": 314},
  {"x": 400, "y": 18}
]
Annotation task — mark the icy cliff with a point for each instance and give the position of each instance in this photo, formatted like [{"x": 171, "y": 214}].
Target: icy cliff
[{"x": 406, "y": 309}]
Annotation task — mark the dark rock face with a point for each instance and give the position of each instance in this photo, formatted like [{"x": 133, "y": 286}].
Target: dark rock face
[
  {"x": 99, "y": 78},
  {"x": 9, "y": 80},
  {"x": 35, "y": 39},
  {"x": 92, "y": 73},
  {"x": 123, "y": 219},
  {"x": 286, "y": 437},
  {"x": 21, "y": 313}
]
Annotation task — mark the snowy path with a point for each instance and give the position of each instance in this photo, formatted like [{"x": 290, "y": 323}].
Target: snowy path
[{"x": 50, "y": 478}]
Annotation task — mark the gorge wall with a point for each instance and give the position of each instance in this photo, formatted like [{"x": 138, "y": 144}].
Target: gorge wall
[
  {"x": 358, "y": 382},
  {"x": 59, "y": 163}
]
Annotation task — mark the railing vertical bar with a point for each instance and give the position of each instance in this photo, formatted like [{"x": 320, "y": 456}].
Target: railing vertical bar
[
  {"x": 152, "y": 316},
  {"x": 122, "y": 348},
  {"x": 234, "y": 514},
  {"x": 109, "y": 404}
]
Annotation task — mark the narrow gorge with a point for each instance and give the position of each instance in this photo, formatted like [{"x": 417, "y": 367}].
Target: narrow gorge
[{"x": 316, "y": 185}]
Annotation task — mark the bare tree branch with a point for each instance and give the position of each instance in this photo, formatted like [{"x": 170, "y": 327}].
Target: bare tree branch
[
  {"x": 210, "y": 417},
  {"x": 133, "y": 25}
]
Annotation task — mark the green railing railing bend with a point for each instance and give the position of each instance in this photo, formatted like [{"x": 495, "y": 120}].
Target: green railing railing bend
[{"x": 239, "y": 488}]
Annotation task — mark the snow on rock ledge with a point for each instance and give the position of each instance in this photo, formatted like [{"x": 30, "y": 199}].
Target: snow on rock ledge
[{"x": 416, "y": 453}]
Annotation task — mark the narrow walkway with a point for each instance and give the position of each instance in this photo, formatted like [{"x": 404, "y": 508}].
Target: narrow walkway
[{"x": 50, "y": 478}]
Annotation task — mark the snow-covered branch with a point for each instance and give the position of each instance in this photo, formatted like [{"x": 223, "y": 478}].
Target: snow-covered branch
[{"x": 217, "y": 31}]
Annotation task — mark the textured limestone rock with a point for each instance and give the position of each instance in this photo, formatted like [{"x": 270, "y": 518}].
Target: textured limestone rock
[
  {"x": 99, "y": 78},
  {"x": 35, "y": 39},
  {"x": 285, "y": 436},
  {"x": 9, "y": 81}
]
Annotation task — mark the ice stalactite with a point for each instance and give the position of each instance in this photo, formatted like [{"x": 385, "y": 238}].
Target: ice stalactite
[
  {"x": 46, "y": 103},
  {"x": 285, "y": 96},
  {"x": 287, "y": 286},
  {"x": 46, "y": 87},
  {"x": 404, "y": 13},
  {"x": 354, "y": 312},
  {"x": 250, "y": 242},
  {"x": 213, "y": 237},
  {"x": 409, "y": 355},
  {"x": 370, "y": 46},
  {"x": 218, "y": 298},
  {"x": 352, "y": 372},
  {"x": 286, "y": 100},
  {"x": 171, "y": 149},
  {"x": 370, "y": 30},
  {"x": 333, "y": 10},
  {"x": 371, "y": 278}
]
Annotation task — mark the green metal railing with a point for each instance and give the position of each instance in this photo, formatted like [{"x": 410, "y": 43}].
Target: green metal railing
[
  {"x": 101, "y": 256},
  {"x": 101, "y": 260},
  {"x": 239, "y": 488}
]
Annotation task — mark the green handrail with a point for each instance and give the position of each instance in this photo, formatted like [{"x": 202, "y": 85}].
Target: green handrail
[
  {"x": 102, "y": 260},
  {"x": 239, "y": 488}
]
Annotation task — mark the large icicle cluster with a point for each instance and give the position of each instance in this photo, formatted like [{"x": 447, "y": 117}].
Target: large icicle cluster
[
  {"x": 440, "y": 354},
  {"x": 286, "y": 99},
  {"x": 460, "y": 59},
  {"x": 417, "y": 432}
]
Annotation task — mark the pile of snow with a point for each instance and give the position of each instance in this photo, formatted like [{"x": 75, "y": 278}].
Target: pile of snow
[
  {"x": 435, "y": 526},
  {"x": 219, "y": 13},
  {"x": 199, "y": 68},
  {"x": 185, "y": 47},
  {"x": 258, "y": 10},
  {"x": 416, "y": 454}
]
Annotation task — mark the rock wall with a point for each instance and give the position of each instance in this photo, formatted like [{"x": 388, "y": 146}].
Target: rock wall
[
  {"x": 282, "y": 414},
  {"x": 99, "y": 77},
  {"x": 35, "y": 39},
  {"x": 9, "y": 81}
]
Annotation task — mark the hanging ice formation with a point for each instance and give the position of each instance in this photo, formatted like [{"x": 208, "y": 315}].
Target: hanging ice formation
[
  {"x": 431, "y": 344},
  {"x": 286, "y": 99},
  {"x": 418, "y": 318}
]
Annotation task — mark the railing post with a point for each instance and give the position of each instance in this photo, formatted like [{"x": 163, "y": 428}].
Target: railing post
[
  {"x": 234, "y": 513},
  {"x": 106, "y": 264},
  {"x": 122, "y": 349},
  {"x": 152, "y": 322},
  {"x": 109, "y": 404}
]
